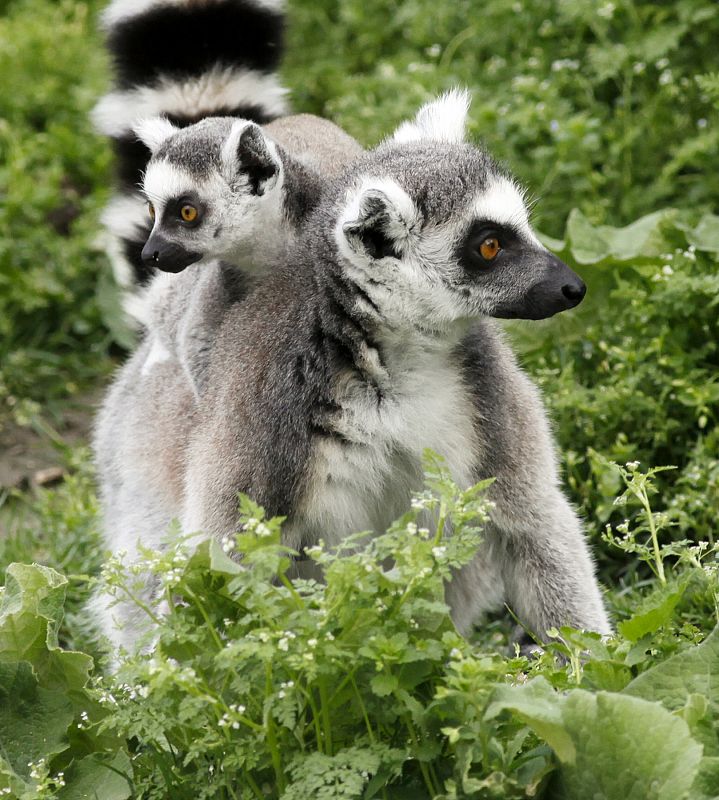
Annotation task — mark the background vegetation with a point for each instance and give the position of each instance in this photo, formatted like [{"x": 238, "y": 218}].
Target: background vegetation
[{"x": 608, "y": 113}]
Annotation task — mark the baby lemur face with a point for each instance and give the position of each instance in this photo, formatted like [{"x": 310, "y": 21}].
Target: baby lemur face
[
  {"x": 434, "y": 231},
  {"x": 213, "y": 190}
]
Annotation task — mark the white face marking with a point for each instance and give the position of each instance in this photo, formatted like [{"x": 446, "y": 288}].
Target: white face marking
[
  {"x": 164, "y": 181},
  {"x": 504, "y": 204},
  {"x": 220, "y": 87},
  {"x": 442, "y": 120}
]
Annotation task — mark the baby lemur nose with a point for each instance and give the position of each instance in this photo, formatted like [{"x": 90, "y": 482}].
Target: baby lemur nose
[
  {"x": 167, "y": 255},
  {"x": 574, "y": 292}
]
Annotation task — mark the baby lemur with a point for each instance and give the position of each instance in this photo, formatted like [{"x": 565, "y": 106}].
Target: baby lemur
[
  {"x": 228, "y": 196},
  {"x": 365, "y": 342}
]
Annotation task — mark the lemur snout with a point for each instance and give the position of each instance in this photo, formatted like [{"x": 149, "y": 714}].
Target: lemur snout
[{"x": 166, "y": 255}]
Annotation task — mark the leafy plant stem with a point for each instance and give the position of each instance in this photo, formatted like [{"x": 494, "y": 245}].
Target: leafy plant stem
[{"x": 270, "y": 731}]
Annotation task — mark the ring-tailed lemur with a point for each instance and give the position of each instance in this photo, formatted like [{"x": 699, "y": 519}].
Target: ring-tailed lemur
[
  {"x": 369, "y": 342},
  {"x": 223, "y": 193},
  {"x": 187, "y": 61}
]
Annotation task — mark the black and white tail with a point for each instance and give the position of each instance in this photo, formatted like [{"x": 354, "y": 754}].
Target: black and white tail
[{"x": 185, "y": 60}]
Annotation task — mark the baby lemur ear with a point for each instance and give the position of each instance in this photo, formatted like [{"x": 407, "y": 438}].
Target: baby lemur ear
[
  {"x": 249, "y": 153},
  {"x": 378, "y": 221},
  {"x": 153, "y": 131},
  {"x": 442, "y": 120}
]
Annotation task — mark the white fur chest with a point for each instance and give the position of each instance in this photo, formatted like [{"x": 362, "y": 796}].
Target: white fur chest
[{"x": 362, "y": 479}]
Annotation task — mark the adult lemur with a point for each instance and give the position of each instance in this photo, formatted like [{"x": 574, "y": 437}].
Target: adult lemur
[{"x": 369, "y": 341}]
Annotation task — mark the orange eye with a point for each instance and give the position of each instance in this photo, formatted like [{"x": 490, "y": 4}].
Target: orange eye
[
  {"x": 151, "y": 211},
  {"x": 188, "y": 213},
  {"x": 489, "y": 248}
]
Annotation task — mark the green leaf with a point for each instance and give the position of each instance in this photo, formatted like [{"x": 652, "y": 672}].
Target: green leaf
[
  {"x": 30, "y": 611},
  {"x": 97, "y": 777},
  {"x": 536, "y": 703},
  {"x": 586, "y": 243},
  {"x": 652, "y": 615},
  {"x": 610, "y": 745},
  {"x": 706, "y": 234},
  {"x": 673, "y": 682},
  {"x": 591, "y": 244},
  {"x": 30, "y": 614},
  {"x": 627, "y": 747},
  {"x": 383, "y": 685},
  {"x": 33, "y": 720}
]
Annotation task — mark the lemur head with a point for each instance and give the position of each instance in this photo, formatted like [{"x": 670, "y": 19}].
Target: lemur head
[
  {"x": 435, "y": 231},
  {"x": 214, "y": 190}
]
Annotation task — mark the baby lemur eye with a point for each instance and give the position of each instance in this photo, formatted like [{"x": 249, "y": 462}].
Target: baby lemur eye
[
  {"x": 151, "y": 211},
  {"x": 489, "y": 248},
  {"x": 188, "y": 213}
]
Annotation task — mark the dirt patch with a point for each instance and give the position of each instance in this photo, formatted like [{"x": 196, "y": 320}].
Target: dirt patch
[{"x": 34, "y": 457}]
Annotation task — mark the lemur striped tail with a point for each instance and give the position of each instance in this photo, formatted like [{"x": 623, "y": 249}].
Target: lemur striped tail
[{"x": 185, "y": 60}]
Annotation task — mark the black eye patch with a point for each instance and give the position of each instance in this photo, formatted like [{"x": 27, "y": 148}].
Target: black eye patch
[
  {"x": 468, "y": 252},
  {"x": 172, "y": 214}
]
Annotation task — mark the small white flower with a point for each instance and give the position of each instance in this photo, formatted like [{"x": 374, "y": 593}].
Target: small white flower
[
  {"x": 283, "y": 644},
  {"x": 312, "y": 642},
  {"x": 439, "y": 552}
]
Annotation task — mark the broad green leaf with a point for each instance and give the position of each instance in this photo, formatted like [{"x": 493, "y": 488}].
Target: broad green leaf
[
  {"x": 610, "y": 745},
  {"x": 31, "y": 610},
  {"x": 706, "y": 784},
  {"x": 33, "y": 720},
  {"x": 537, "y": 704},
  {"x": 693, "y": 672},
  {"x": 30, "y": 614},
  {"x": 652, "y": 615},
  {"x": 591, "y": 244},
  {"x": 706, "y": 234},
  {"x": 586, "y": 243},
  {"x": 627, "y": 747},
  {"x": 98, "y": 777}
]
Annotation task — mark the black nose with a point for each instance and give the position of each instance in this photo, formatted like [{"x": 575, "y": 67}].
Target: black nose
[
  {"x": 150, "y": 257},
  {"x": 167, "y": 255},
  {"x": 574, "y": 292}
]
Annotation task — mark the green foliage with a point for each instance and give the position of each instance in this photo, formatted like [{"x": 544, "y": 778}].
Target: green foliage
[
  {"x": 354, "y": 687},
  {"x": 609, "y": 106},
  {"x": 632, "y": 376},
  {"x": 52, "y": 168},
  {"x": 359, "y": 687}
]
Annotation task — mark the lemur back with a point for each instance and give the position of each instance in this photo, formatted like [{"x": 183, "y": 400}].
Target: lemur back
[{"x": 368, "y": 342}]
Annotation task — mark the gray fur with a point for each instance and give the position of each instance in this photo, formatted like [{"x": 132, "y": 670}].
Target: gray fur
[{"x": 368, "y": 342}]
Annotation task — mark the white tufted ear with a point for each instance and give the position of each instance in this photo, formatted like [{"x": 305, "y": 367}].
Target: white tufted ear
[
  {"x": 153, "y": 131},
  {"x": 442, "y": 120},
  {"x": 378, "y": 220},
  {"x": 248, "y": 152}
]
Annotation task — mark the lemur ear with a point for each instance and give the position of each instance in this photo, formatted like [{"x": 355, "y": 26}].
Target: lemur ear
[
  {"x": 378, "y": 221},
  {"x": 442, "y": 120},
  {"x": 153, "y": 131},
  {"x": 248, "y": 152}
]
